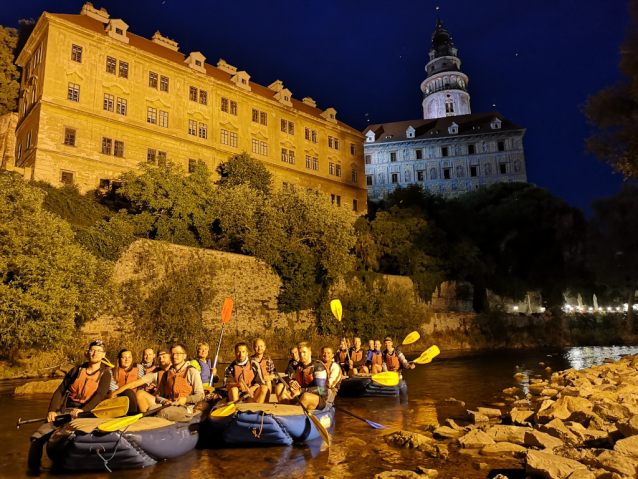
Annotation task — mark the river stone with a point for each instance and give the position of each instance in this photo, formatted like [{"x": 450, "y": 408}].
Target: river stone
[
  {"x": 355, "y": 441},
  {"x": 557, "y": 429},
  {"x": 628, "y": 427},
  {"x": 450, "y": 423},
  {"x": 550, "y": 466},
  {"x": 509, "y": 391},
  {"x": 537, "y": 389},
  {"x": 549, "y": 392},
  {"x": 447, "y": 432},
  {"x": 408, "y": 439},
  {"x": 612, "y": 411},
  {"x": 628, "y": 447},
  {"x": 541, "y": 439},
  {"x": 397, "y": 474},
  {"x": 564, "y": 408},
  {"x": 479, "y": 465},
  {"x": 427, "y": 473},
  {"x": 475, "y": 439},
  {"x": 490, "y": 412},
  {"x": 38, "y": 387},
  {"x": 589, "y": 437},
  {"x": 513, "y": 434},
  {"x": 587, "y": 419},
  {"x": 521, "y": 417},
  {"x": 502, "y": 449},
  {"x": 477, "y": 417},
  {"x": 613, "y": 461}
]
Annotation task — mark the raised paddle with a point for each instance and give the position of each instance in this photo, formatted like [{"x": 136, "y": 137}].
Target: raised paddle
[
  {"x": 107, "y": 409},
  {"x": 337, "y": 311},
  {"x": 388, "y": 378},
  {"x": 427, "y": 355},
  {"x": 370, "y": 423},
  {"x": 413, "y": 337},
  {"x": 108, "y": 363},
  {"x": 228, "y": 409},
  {"x": 227, "y": 311},
  {"x": 322, "y": 430},
  {"x": 124, "y": 422}
]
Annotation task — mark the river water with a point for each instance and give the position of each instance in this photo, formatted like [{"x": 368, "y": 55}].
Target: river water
[{"x": 475, "y": 377}]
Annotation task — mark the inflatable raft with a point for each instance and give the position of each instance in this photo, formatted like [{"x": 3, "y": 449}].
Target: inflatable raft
[
  {"x": 80, "y": 446},
  {"x": 362, "y": 386},
  {"x": 269, "y": 424}
]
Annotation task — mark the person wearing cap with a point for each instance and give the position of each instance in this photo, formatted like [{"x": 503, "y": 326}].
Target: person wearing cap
[
  {"x": 393, "y": 359},
  {"x": 81, "y": 390},
  {"x": 149, "y": 381}
]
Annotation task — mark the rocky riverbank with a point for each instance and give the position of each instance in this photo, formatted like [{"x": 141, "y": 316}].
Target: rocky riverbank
[{"x": 579, "y": 424}]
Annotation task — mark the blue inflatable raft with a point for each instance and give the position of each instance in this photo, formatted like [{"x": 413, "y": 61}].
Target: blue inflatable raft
[
  {"x": 362, "y": 386},
  {"x": 269, "y": 424},
  {"x": 80, "y": 446}
]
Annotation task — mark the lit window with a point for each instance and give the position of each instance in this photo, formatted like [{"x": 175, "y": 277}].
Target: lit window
[
  {"x": 291, "y": 157},
  {"x": 255, "y": 144},
  {"x": 308, "y": 162},
  {"x": 255, "y": 115},
  {"x": 225, "y": 105},
  {"x": 69, "y": 136},
  {"x": 233, "y": 108},
  {"x": 76, "y": 54},
  {"x": 192, "y": 127},
  {"x": 263, "y": 118},
  {"x": 315, "y": 164},
  {"x": 74, "y": 92},
  {"x": 111, "y": 65},
  {"x": 314, "y": 136},
  {"x": 192, "y": 94},
  {"x": 107, "y": 145},
  {"x": 108, "y": 102},
  {"x": 203, "y": 130},
  {"x": 121, "y": 106},
  {"x": 151, "y": 115},
  {"x": 163, "y": 119},
  {"x": 338, "y": 171},
  {"x": 331, "y": 169},
  {"x": 337, "y": 144},
  {"x": 123, "y": 69},
  {"x": 203, "y": 97},
  {"x": 164, "y": 83},
  {"x": 223, "y": 138},
  {"x": 233, "y": 139},
  {"x": 152, "y": 80},
  {"x": 264, "y": 148},
  {"x": 284, "y": 155}
]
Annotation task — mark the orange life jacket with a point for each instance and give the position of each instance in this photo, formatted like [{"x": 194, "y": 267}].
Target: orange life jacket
[
  {"x": 249, "y": 375},
  {"x": 338, "y": 383},
  {"x": 177, "y": 385},
  {"x": 85, "y": 385},
  {"x": 124, "y": 377},
  {"x": 356, "y": 356},
  {"x": 305, "y": 376},
  {"x": 343, "y": 356},
  {"x": 150, "y": 369},
  {"x": 392, "y": 362},
  {"x": 263, "y": 364},
  {"x": 377, "y": 358}
]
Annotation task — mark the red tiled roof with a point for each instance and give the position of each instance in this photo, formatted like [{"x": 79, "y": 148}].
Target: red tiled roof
[
  {"x": 473, "y": 124},
  {"x": 153, "y": 48}
]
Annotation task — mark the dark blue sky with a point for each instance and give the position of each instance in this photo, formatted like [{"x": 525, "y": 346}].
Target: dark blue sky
[{"x": 535, "y": 60}]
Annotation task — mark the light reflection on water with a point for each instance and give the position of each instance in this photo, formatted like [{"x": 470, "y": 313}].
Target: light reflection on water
[{"x": 475, "y": 377}]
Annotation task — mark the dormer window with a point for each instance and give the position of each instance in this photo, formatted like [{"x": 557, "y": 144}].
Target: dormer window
[
  {"x": 387, "y": 137},
  {"x": 119, "y": 31},
  {"x": 453, "y": 129},
  {"x": 370, "y": 136},
  {"x": 410, "y": 132},
  {"x": 116, "y": 29},
  {"x": 496, "y": 124},
  {"x": 243, "y": 80},
  {"x": 198, "y": 63}
]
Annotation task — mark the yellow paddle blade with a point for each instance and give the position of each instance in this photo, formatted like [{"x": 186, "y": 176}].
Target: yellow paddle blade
[
  {"x": 113, "y": 407},
  {"x": 208, "y": 388},
  {"x": 323, "y": 432},
  {"x": 223, "y": 411},
  {"x": 428, "y": 355},
  {"x": 388, "y": 378},
  {"x": 108, "y": 363},
  {"x": 337, "y": 310},
  {"x": 118, "y": 424},
  {"x": 413, "y": 337}
]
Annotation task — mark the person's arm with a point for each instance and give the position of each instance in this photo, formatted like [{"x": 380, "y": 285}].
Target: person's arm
[
  {"x": 406, "y": 364},
  {"x": 145, "y": 380},
  {"x": 229, "y": 377},
  {"x": 198, "y": 391},
  {"x": 321, "y": 377},
  {"x": 259, "y": 377},
  {"x": 369, "y": 358},
  {"x": 100, "y": 394},
  {"x": 60, "y": 392},
  {"x": 384, "y": 366},
  {"x": 333, "y": 376},
  {"x": 140, "y": 371}
]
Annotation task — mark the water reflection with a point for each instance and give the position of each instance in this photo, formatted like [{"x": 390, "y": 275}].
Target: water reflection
[{"x": 475, "y": 377}]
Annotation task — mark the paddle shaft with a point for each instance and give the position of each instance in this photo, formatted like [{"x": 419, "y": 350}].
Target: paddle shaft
[
  {"x": 212, "y": 376},
  {"x": 370, "y": 423},
  {"x": 59, "y": 416},
  {"x": 243, "y": 383},
  {"x": 297, "y": 398}
]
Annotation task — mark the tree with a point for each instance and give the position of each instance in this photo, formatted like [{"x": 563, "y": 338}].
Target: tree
[
  {"x": 242, "y": 169},
  {"x": 613, "y": 249},
  {"x": 614, "y": 111},
  {"x": 9, "y": 75},
  {"x": 48, "y": 284}
]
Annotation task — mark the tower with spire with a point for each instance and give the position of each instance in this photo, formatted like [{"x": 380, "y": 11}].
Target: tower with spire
[{"x": 445, "y": 88}]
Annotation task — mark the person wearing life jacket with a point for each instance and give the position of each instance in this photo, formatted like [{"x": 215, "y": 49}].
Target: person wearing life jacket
[
  {"x": 358, "y": 359},
  {"x": 204, "y": 365},
  {"x": 147, "y": 384},
  {"x": 310, "y": 381},
  {"x": 248, "y": 370},
  {"x": 393, "y": 359},
  {"x": 81, "y": 390},
  {"x": 375, "y": 358},
  {"x": 333, "y": 369},
  {"x": 125, "y": 370},
  {"x": 148, "y": 365},
  {"x": 180, "y": 386},
  {"x": 343, "y": 356},
  {"x": 265, "y": 363},
  {"x": 290, "y": 369}
]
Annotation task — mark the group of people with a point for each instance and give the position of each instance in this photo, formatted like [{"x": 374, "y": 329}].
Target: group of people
[{"x": 182, "y": 387}]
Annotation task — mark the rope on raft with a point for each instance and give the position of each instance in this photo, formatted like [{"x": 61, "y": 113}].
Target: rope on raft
[{"x": 106, "y": 461}]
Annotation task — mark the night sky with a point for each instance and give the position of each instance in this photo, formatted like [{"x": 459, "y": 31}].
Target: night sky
[{"x": 535, "y": 61}]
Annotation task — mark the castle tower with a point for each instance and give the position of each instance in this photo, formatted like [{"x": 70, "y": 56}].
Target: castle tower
[{"x": 445, "y": 88}]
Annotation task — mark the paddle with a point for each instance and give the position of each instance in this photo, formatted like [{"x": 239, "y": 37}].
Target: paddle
[
  {"x": 227, "y": 311},
  {"x": 413, "y": 337},
  {"x": 337, "y": 311},
  {"x": 124, "y": 422},
  {"x": 243, "y": 383},
  {"x": 108, "y": 363},
  {"x": 427, "y": 355},
  {"x": 322, "y": 430},
  {"x": 388, "y": 378},
  {"x": 373, "y": 424},
  {"x": 228, "y": 409},
  {"x": 108, "y": 408}
]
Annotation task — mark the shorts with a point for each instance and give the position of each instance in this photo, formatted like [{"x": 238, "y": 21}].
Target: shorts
[
  {"x": 328, "y": 398},
  {"x": 176, "y": 413}
]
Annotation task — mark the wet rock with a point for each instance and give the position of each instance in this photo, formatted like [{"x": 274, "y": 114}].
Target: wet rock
[
  {"x": 549, "y": 392},
  {"x": 408, "y": 439},
  {"x": 512, "y": 390},
  {"x": 557, "y": 428},
  {"x": 500, "y": 476},
  {"x": 475, "y": 439},
  {"x": 513, "y": 434},
  {"x": 446, "y": 432},
  {"x": 38, "y": 387},
  {"x": 480, "y": 466},
  {"x": 490, "y": 412},
  {"x": 397, "y": 474},
  {"x": 628, "y": 447},
  {"x": 613, "y": 411},
  {"x": 582, "y": 474},
  {"x": 429, "y": 473},
  {"x": 613, "y": 461},
  {"x": 519, "y": 376},
  {"x": 450, "y": 423},
  {"x": 521, "y": 403},
  {"x": 542, "y": 440},
  {"x": 589, "y": 437},
  {"x": 548, "y": 368},
  {"x": 550, "y": 466},
  {"x": 563, "y": 408},
  {"x": 521, "y": 417},
  {"x": 502, "y": 449},
  {"x": 455, "y": 401},
  {"x": 442, "y": 451},
  {"x": 497, "y": 404},
  {"x": 477, "y": 417},
  {"x": 628, "y": 427},
  {"x": 355, "y": 441}
]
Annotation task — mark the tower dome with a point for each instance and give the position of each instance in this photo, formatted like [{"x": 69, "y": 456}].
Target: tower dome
[{"x": 445, "y": 88}]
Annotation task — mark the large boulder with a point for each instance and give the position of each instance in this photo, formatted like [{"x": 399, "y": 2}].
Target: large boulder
[
  {"x": 446, "y": 432},
  {"x": 612, "y": 411},
  {"x": 38, "y": 387},
  {"x": 490, "y": 412},
  {"x": 583, "y": 474},
  {"x": 408, "y": 439},
  {"x": 557, "y": 428},
  {"x": 612, "y": 461},
  {"x": 550, "y": 466},
  {"x": 564, "y": 408},
  {"x": 475, "y": 439},
  {"x": 476, "y": 417},
  {"x": 628, "y": 427},
  {"x": 502, "y": 449},
  {"x": 542, "y": 440},
  {"x": 521, "y": 418},
  {"x": 628, "y": 446},
  {"x": 589, "y": 437},
  {"x": 513, "y": 434}
]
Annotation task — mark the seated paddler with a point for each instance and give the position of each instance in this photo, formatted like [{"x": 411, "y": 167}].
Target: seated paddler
[
  {"x": 393, "y": 358},
  {"x": 358, "y": 359},
  {"x": 81, "y": 390},
  {"x": 244, "y": 376},
  {"x": 310, "y": 383},
  {"x": 204, "y": 365}
]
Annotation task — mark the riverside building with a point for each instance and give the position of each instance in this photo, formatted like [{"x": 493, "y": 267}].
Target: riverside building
[
  {"x": 96, "y": 100},
  {"x": 451, "y": 150}
]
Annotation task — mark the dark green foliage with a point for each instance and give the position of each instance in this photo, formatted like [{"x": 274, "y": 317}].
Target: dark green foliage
[
  {"x": 302, "y": 282},
  {"x": 72, "y": 206},
  {"x": 242, "y": 169},
  {"x": 9, "y": 75},
  {"x": 107, "y": 239}
]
